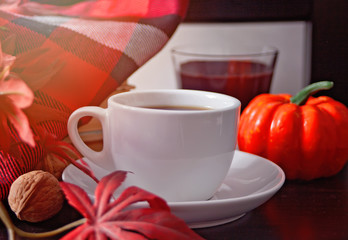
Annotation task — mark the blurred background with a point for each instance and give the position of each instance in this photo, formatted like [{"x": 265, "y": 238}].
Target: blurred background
[{"x": 311, "y": 37}]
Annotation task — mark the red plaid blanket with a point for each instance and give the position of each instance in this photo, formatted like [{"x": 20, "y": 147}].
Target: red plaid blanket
[{"x": 90, "y": 46}]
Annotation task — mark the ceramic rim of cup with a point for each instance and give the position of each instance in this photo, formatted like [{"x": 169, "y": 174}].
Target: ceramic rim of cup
[{"x": 223, "y": 99}]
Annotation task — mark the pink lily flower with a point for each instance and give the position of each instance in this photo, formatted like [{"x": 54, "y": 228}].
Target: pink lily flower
[{"x": 15, "y": 95}]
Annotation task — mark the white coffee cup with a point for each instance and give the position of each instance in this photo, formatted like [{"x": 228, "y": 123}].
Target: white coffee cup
[{"x": 180, "y": 155}]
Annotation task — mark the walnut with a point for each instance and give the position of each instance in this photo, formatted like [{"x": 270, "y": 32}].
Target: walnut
[
  {"x": 35, "y": 196},
  {"x": 52, "y": 165}
]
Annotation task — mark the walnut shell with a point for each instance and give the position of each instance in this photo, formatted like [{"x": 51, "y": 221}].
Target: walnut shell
[
  {"x": 52, "y": 165},
  {"x": 35, "y": 196}
]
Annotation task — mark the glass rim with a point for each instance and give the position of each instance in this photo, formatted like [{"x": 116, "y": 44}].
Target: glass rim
[{"x": 196, "y": 51}]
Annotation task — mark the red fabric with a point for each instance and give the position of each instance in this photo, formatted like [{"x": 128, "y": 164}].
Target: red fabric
[
  {"x": 97, "y": 46},
  {"x": 108, "y": 9}
]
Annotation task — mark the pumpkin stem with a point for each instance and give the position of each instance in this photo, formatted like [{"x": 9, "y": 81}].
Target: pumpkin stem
[{"x": 301, "y": 97}]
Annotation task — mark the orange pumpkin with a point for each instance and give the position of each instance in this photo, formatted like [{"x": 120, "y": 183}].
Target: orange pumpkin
[{"x": 306, "y": 136}]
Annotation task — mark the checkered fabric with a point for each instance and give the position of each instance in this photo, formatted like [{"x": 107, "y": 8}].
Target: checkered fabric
[{"x": 97, "y": 45}]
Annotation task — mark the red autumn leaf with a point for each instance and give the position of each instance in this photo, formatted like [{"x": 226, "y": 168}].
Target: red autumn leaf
[
  {"x": 78, "y": 199},
  {"x": 107, "y": 219},
  {"x": 62, "y": 150}
]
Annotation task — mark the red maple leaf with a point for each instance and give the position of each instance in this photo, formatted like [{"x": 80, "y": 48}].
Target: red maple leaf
[
  {"x": 62, "y": 150},
  {"x": 107, "y": 219}
]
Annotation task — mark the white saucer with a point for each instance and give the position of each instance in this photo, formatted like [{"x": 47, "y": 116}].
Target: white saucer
[{"x": 250, "y": 182}]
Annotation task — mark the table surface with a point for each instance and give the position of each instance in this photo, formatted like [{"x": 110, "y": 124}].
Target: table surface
[{"x": 316, "y": 209}]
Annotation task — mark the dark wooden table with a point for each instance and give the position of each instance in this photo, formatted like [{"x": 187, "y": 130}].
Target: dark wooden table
[{"x": 313, "y": 210}]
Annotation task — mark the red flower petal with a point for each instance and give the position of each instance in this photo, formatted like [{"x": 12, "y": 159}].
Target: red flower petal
[
  {"x": 6, "y": 61},
  {"x": 22, "y": 126},
  {"x": 19, "y": 92},
  {"x": 17, "y": 118}
]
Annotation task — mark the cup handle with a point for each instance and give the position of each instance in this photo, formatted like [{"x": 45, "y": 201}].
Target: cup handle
[{"x": 100, "y": 158}]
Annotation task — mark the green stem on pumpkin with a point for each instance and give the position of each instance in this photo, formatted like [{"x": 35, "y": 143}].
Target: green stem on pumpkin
[
  {"x": 12, "y": 229},
  {"x": 301, "y": 97}
]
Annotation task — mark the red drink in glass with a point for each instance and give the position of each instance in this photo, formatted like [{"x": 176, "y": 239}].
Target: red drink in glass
[
  {"x": 240, "y": 79},
  {"x": 241, "y": 72}
]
